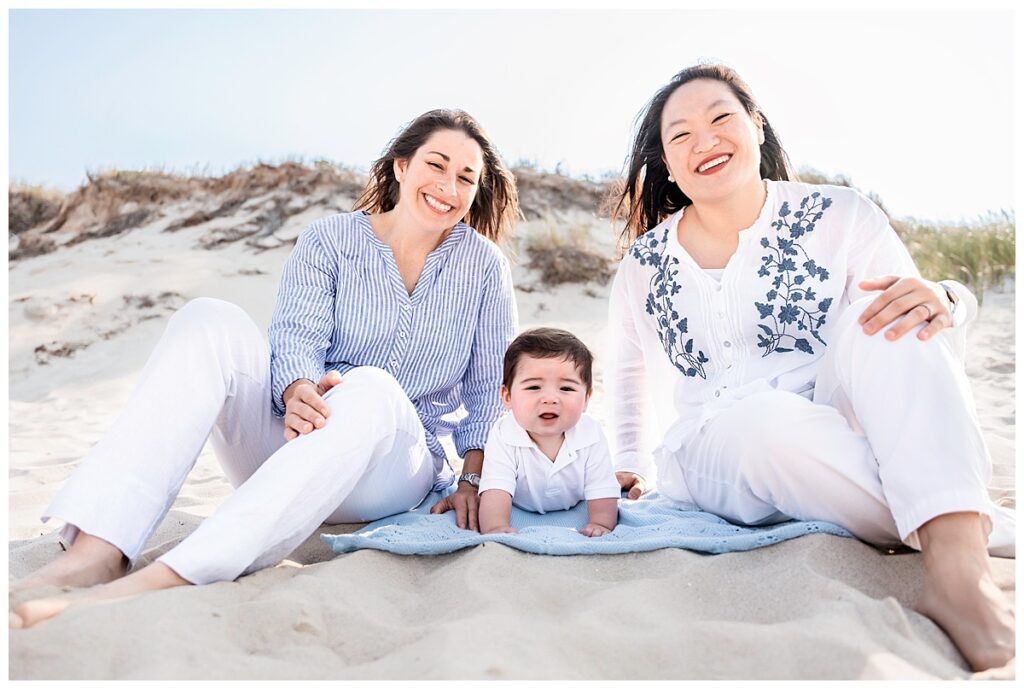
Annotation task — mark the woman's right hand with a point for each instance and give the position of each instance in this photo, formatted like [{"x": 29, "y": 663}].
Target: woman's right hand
[
  {"x": 634, "y": 483},
  {"x": 304, "y": 406}
]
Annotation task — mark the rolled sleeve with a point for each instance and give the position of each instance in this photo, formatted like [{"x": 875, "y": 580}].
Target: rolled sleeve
[
  {"x": 303, "y": 322},
  {"x": 497, "y": 324}
]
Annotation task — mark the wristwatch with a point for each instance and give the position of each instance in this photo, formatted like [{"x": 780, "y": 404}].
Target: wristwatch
[{"x": 471, "y": 479}]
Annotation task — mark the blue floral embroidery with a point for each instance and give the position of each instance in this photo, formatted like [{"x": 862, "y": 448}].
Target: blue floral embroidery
[
  {"x": 650, "y": 251},
  {"x": 792, "y": 285}
]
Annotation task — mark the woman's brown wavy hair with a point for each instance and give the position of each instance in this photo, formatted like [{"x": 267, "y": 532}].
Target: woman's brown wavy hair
[
  {"x": 646, "y": 197},
  {"x": 496, "y": 206}
]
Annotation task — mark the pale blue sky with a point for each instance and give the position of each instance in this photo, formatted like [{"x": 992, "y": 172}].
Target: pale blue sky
[{"x": 915, "y": 105}]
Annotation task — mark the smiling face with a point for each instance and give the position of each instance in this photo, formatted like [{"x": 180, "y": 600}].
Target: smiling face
[
  {"x": 438, "y": 184},
  {"x": 710, "y": 142},
  {"x": 547, "y": 396}
]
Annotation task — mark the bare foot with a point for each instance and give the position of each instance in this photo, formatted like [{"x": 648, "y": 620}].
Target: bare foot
[
  {"x": 974, "y": 613},
  {"x": 961, "y": 596},
  {"x": 90, "y": 561},
  {"x": 152, "y": 578}
]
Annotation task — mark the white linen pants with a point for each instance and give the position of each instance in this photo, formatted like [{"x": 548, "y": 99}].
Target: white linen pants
[
  {"x": 890, "y": 441},
  {"x": 209, "y": 377}
]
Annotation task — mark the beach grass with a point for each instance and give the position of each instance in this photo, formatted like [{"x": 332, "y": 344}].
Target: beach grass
[{"x": 981, "y": 254}]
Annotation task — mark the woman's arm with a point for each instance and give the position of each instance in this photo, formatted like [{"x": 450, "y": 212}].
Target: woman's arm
[
  {"x": 878, "y": 261},
  {"x": 303, "y": 322},
  {"x": 626, "y": 389},
  {"x": 497, "y": 323}
]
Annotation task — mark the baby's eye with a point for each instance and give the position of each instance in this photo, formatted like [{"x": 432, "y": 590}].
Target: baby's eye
[
  {"x": 533, "y": 387},
  {"x": 568, "y": 388}
]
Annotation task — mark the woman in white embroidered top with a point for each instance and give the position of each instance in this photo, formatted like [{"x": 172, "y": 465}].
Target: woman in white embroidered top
[
  {"x": 387, "y": 319},
  {"x": 798, "y": 365}
]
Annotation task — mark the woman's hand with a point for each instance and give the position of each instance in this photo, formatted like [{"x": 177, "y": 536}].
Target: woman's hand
[
  {"x": 304, "y": 406},
  {"x": 916, "y": 299},
  {"x": 465, "y": 502},
  {"x": 634, "y": 483}
]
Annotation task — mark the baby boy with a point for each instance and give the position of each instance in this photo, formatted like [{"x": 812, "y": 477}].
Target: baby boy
[{"x": 547, "y": 454}]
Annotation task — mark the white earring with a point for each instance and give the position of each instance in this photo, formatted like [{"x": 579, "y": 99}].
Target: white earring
[{"x": 671, "y": 178}]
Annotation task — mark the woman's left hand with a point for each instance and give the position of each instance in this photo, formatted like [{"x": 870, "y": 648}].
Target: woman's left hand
[
  {"x": 917, "y": 299},
  {"x": 465, "y": 503}
]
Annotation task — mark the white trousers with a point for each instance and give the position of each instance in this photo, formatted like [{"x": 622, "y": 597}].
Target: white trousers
[
  {"x": 890, "y": 441},
  {"x": 209, "y": 377}
]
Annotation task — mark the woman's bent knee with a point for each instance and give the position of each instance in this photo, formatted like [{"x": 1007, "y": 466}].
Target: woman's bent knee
[
  {"x": 372, "y": 390},
  {"x": 206, "y": 310},
  {"x": 205, "y": 314}
]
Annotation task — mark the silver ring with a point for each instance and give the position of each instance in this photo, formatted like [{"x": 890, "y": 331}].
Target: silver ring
[{"x": 929, "y": 310}]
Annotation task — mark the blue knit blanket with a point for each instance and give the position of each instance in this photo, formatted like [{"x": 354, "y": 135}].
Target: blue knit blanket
[{"x": 650, "y": 523}]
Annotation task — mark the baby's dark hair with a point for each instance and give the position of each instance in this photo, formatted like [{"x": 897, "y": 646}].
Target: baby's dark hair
[{"x": 549, "y": 343}]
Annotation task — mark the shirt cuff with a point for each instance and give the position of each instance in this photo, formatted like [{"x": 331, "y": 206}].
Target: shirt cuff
[
  {"x": 631, "y": 462},
  {"x": 471, "y": 436},
  {"x": 285, "y": 372},
  {"x": 966, "y": 309}
]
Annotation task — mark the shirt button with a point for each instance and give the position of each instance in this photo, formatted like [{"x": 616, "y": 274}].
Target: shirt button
[
  {"x": 721, "y": 315},
  {"x": 394, "y": 363},
  {"x": 401, "y": 333},
  {"x": 727, "y": 343},
  {"x": 718, "y": 393}
]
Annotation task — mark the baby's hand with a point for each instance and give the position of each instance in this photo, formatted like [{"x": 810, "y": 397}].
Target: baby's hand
[
  {"x": 500, "y": 529},
  {"x": 593, "y": 529}
]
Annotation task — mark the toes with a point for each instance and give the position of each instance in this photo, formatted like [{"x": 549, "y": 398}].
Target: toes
[{"x": 36, "y": 611}]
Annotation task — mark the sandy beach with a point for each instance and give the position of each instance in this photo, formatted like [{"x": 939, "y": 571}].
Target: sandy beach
[{"x": 83, "y": 319}]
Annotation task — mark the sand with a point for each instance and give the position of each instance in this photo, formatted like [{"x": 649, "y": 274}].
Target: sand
[{"x": 82, "y": 322}]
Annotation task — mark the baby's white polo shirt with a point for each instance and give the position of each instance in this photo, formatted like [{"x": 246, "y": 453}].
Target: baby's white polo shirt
[{"x": 582, "y": 470}]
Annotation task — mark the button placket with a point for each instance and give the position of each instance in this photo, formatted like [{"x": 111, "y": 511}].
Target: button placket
[{"x": 400, "y": 343}]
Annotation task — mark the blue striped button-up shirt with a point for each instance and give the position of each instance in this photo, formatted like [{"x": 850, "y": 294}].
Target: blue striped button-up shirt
[{"x": 342, "y": 304}]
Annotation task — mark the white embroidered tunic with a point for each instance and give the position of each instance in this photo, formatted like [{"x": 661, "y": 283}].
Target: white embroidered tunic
[{"x": 691, "y": 345}]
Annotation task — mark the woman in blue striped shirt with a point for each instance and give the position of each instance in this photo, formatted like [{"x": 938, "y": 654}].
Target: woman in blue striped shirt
[{"x": 388, "y": 320}]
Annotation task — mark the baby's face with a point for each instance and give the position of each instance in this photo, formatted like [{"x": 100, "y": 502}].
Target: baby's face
[{"x": 547, "y": 396}]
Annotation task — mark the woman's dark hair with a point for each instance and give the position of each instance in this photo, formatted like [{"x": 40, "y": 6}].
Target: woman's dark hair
[
  {"x": 496, "y": 206},
  {"x": 548, "y": 343},
  {"x": 647, "y": 197}
]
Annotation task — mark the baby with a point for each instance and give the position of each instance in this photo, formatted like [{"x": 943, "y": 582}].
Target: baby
[{"x": 547, "y": 455}]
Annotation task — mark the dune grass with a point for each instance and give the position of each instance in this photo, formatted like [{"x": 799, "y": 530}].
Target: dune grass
[
  {"x": 979, "y": 253},
  {"x": 564, "y": 252}
]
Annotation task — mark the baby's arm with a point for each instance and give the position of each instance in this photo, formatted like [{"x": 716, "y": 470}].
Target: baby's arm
[
  {"x": 497, "y": 484},
  {"x": 495, "y": 512},
  {"x": 602, "y": 516}
]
